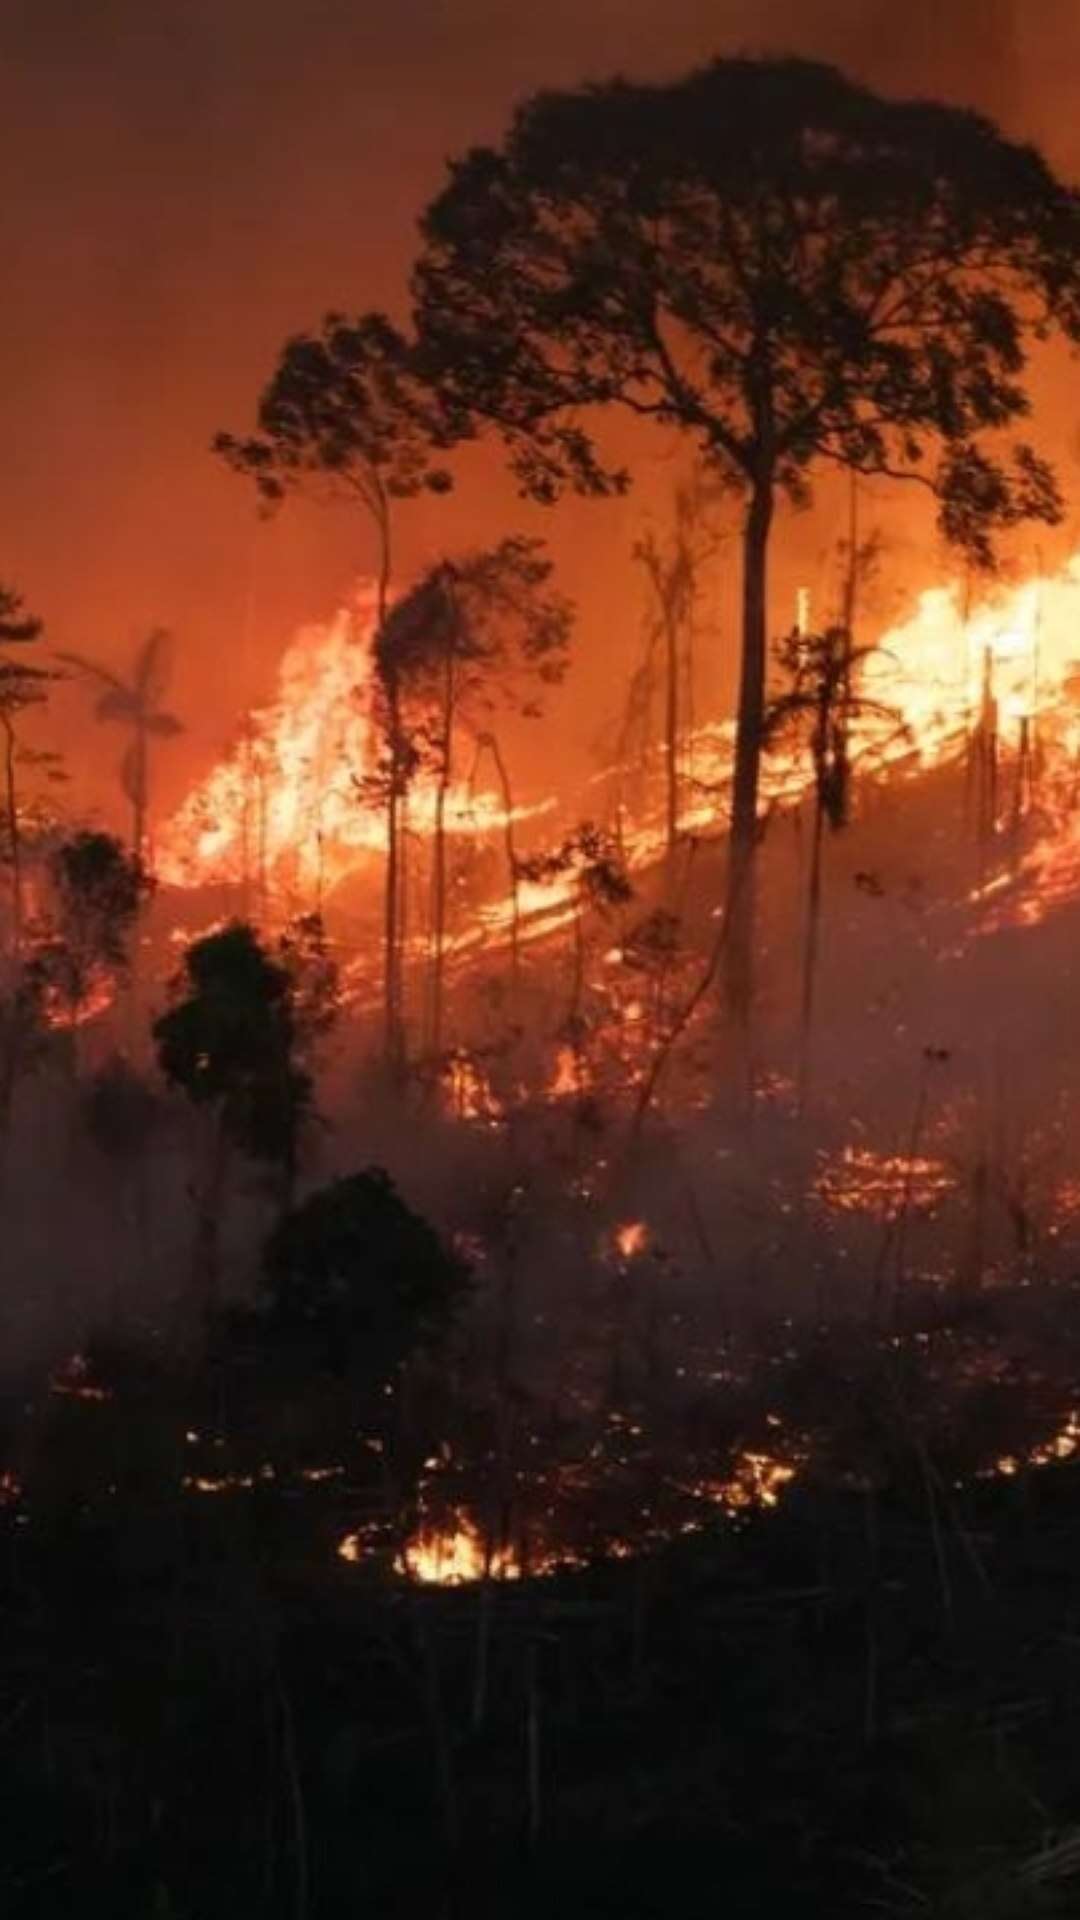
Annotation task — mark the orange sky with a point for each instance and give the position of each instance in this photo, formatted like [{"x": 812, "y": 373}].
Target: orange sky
[{"x": 186, "y": 181}]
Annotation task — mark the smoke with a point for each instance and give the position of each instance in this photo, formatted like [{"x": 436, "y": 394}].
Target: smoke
[{"x": 196, "y": 181}]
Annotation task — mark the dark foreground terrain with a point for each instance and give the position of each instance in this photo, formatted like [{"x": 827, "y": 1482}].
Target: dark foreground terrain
[{"x": 858, "y": 1703}]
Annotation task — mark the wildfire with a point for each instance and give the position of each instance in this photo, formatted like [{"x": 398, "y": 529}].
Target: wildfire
[
  {"x": 882, "y": 1185},
  {"x": 293, "y": 808}
]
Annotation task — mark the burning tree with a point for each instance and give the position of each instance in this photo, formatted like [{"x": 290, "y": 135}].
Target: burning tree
[
  {"x": 345, "y": 414},
  {"x": 21, "y": 686},
  {"x": 673, "y": 568},
  {"x": 474, "y": 630},
  {"x": 98, "y": 889},
  {"x": 797, "y": 273},
  {"x": 823, "y": 700}
]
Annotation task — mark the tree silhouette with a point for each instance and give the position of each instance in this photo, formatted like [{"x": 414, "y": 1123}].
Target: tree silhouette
[
  {"x": 98, "y": 888},
  {"x": 821, "y": 701},
  {"x": 673, "y": 567},
  {"x": 135, "y": 703},
  {"x": 795, "y": 272},
  {"x": 345, "y": 415},
  {"x": 21, "y": 686},
  {"x": 476, "y": 631},
  {"x": 229, "y": 1043},
  {"x": 356, "y": 1275}
]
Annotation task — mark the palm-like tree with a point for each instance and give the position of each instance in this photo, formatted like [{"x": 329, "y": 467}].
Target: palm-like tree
[{"x": 135, "y": 703}]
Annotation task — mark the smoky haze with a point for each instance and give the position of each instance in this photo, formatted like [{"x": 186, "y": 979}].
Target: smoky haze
[{"x": 189, "y": 181}]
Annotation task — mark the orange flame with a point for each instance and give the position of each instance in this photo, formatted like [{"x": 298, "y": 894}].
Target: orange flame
[{"x": 631, "y": 1239}]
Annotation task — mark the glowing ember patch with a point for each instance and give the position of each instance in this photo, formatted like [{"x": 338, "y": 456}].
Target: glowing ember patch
[
  {"x": 631, "y": 1239},
  {"x": 455, "y": 1557},
  {"x": 758, "y": 1481},
  {"x": 74, "y": 1382},
  {"x": 467, "y": 1092},
  {"x": 882, "y": 1185},
  {"x": 570, "y": 1078},
  {"x": 1062, "y": 1446},
  {"x": 63, "y": 1017}
]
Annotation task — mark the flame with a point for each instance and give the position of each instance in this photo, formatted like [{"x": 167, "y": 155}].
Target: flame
[
  {"x": 454, "y": 1555},
  {"x": 467, "y": 1091},
  {"x": 857, "y": 1180},
  {"x": 631, "y": 1239},
  {"x": 570, "y": 1076},
  {"x": 288, "y": 808},
  {"x": 759, "y": 1480}
]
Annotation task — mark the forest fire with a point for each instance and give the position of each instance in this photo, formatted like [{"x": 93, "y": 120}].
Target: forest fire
[
  {"x": 541, "y": 1207},
  {"x": 290, "y": 811},
  {"x": 292, "y": 808},
  {"x": 858, "y": 1180}
]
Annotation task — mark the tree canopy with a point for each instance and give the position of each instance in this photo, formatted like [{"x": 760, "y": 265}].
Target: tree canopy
[
  {"x": 229, "y": 1041},
  {"x": 778, "y": 262},
  {"x": 769, "y": 255}
]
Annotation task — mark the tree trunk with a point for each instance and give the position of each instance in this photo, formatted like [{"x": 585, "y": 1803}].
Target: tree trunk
[
  {"x": 438, "y": 856},
  {"x": 393, "y": 1039},
  {"x": 139, "y": 795},
  {"x": 740, "y": 902},
  {"x": 671, "y": 733},
  {"x": 14, "y": 843},
  {"x": 207, "y": 1264},
  {"x": 811, "y": 941},
  {"x": 511, "y": 858},
  {"x": 393, "y": 1023}
]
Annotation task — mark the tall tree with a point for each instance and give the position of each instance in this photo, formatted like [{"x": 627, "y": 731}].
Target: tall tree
[
  {"x": 475, "y": 632},
  {"x": 98, "y": 888},
  {"x": 345, "y": 416},
  {"x": 135, "y": 703},
  {"x": 673, "y": 567},
  {"x": 229, "y": 1042},
  {"x": 770, "y": 258},
  {"x": 21, "y": 686},
  {"x": 822, "y": 701}
]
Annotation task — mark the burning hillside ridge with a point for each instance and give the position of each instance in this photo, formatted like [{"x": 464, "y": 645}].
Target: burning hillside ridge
[
  {"x": 290, "y": 808},
  {"x": 293, "y": 808}
]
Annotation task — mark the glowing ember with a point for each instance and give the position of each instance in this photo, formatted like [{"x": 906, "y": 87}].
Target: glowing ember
[
  {"x": 570, "y": 1078},
  {"x": 631, "y": 1239},
  {"x": 74, "y": 1382},
  {"x": 467, "y": 1090},
  {"x": 758, "y": 1481},
  {"x": 1063, "y": 1445},
  {"x": 882, "y": 1185}
]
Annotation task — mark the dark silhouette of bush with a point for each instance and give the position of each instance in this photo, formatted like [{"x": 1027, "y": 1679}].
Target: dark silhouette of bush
[{"x": 356, "y": 1274}]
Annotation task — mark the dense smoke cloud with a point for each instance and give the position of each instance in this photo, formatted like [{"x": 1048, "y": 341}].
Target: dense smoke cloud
[{"x": 188, "y": 182}]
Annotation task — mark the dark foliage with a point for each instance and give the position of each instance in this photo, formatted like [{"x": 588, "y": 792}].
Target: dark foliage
[
  {"x": 229, "y": 1040},
  {"x": 355, "y": 1270}
]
